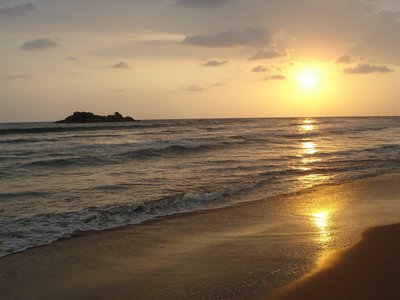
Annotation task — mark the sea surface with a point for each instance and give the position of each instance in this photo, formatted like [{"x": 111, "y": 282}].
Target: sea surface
[{"x": 57, "y": 179}]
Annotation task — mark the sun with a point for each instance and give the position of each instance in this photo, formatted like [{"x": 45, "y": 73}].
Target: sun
[
  {"x": 311, "y": 83},
  {"x": 307, "y": 79}
]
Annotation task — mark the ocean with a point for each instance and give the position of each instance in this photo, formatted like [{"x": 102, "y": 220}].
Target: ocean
[{"x": 58, "y": 179}]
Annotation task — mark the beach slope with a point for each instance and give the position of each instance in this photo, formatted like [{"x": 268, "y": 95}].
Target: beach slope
[{"x": 368, "y": 270}]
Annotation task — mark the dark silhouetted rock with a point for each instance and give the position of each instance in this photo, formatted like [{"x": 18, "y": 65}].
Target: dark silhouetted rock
[{"x": 88, "y": 117}]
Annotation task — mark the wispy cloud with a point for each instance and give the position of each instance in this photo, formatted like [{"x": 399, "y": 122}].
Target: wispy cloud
[
  {"x": 269, "y": 54},
  {"x": 193, "y": 88},
  {"x": 217, "y": 84},
  {"x": 121, "y": 65},
  {"x": 215, "y": 63},
  {"x": 260, "y": 69},
  {"x": 230, "y": 38},
  {"x": 17, "y": 9},
  {"x": 39, "y": 44},
  {"x": 201, "y": 3},
  {"x": 367, "y": 69},
  {"x": 275, "y": 77},
  {"x": 18, "y": 76},
  {"x": 72, "y": 58},
  {"x": 344, "y": 59}
]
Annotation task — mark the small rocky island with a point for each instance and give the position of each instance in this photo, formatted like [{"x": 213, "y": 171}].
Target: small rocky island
[{"x": 88, "y": 117}]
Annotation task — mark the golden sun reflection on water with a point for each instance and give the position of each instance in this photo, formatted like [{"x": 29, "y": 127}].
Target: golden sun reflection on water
[
  {"x": 309, "y": 147},
  {"x": 309, "y": 160},
  {"x": 310, "y": 180},
  {"x": 321, "y": 219},
  {"x": 307, "y": 127}
]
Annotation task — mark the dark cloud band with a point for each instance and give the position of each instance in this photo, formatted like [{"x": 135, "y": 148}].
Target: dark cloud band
[
  {"x": 39, "y": 44},
  {"x": 367, "y": 69},
  {"x": 230, "y": 38}
]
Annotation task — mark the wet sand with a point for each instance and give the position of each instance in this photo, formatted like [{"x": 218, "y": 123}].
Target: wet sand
[
  {"x": 241, "y": 252},
  {"x": 368, "y": 270}
]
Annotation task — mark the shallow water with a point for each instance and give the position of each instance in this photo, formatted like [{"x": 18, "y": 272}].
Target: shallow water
[{"x": 56, "y": 179}]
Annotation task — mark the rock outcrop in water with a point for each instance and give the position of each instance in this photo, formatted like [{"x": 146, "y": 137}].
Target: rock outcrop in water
[{"x": 88, "y": 117}]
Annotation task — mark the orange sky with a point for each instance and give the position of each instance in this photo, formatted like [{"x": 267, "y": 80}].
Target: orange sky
[{"x": 198, "y": 58}]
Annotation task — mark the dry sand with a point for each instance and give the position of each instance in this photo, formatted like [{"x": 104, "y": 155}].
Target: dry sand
[{"x": 242, "y": 252}]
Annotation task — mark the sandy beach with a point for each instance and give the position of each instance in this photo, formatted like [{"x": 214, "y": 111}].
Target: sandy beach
[
  {"x": 242, "y": 252},
  {"x": 368, "y": 270}
]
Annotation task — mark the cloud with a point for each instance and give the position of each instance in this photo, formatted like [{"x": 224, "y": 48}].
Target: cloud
[
  {"x": 279, "y": 69},
  {"x": 275, "y": 77},
  {"x": 72, "y": 58},
  {"x": 269, "y": 54},
  {"x": 382, "y": 39},
  {"x": 230, "y": 38},
  {"x": 260, "y": 69},
  {"x": 367, "y": 69},
  {"x": 121, "y": 65},
  {"x": 17, "y": 9},
  {"x": 39, "y": 44},
  {"x": 217, "y": 84},
  {"x": 18, "y": 76},
  {"x": 215, "y": 63},
  {"x": 201, "y": 3},
  {"x": 344, "y": 59},
  {"x": 193, "y": 88},
  {"x": 73, "y": 74}
]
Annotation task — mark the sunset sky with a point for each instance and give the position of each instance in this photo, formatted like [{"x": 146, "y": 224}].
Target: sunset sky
[{"x": 165, "y": 59}]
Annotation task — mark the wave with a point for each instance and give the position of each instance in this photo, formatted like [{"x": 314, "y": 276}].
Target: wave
[
  {"x": 66, "y": 162},
  {"x": 382, "y": 149},
  {"x": 165, "y": 151},
  {"x": 17, "y": 141},
  {"x": 27, "y": 194},
  {"x": 347, "y": 131},
  {"x": 179, "y": 147},
  {"x": 150, "y": 150},
  {"x": 188, "y": 147},
  {"x": 299, "y": 135},
  {"x": 74, "y": 128},
  {"x": 22, "y": 233}
]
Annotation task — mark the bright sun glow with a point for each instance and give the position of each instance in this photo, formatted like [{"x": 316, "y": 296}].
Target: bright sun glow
[
  {"x": 311, "y": 86},
  {"x": 308, "y": 79}
]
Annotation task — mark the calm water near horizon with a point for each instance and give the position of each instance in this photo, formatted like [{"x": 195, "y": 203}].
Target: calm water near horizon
[{"x": 56, "y": 179}]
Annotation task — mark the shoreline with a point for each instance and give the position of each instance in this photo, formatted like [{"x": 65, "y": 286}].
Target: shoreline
[
  {"x": 80, "y": 233},
  {"x": 244, "y": 251}
]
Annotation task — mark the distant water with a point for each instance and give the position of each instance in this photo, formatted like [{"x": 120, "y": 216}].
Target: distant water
[{"x": 56, "y": 179}]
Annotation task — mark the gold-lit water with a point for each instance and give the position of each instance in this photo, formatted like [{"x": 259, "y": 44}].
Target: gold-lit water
[
  {"x": 321, "y": 220},
  {"x": 309, "y": 147},
  {"x": 320, "y": 216},
  {"x": 307, "y": 127}
]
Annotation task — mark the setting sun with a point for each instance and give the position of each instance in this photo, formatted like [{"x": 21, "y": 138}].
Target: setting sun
[{"x": 308, "y": 79}]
